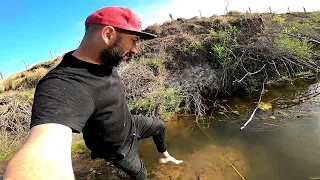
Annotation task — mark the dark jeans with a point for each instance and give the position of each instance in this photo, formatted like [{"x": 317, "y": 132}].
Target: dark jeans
[{"x": 144, "y": 127}]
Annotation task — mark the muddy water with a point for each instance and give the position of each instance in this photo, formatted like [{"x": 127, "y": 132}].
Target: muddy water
[{"x": 286, "y": 146}]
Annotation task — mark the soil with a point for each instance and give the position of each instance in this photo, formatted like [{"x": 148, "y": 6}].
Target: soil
[{"x": 86, "y": 168}]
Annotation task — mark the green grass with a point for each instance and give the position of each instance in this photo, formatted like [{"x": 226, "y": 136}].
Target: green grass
[
  {"x": 10, "y": 144},
  {"x": 167, "y": 101},
  {"x": 79, "y": 147},
  {"x": 6, "y": 156}
]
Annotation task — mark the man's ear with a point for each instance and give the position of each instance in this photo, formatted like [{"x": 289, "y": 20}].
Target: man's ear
[{"x": 108, "y": 33}]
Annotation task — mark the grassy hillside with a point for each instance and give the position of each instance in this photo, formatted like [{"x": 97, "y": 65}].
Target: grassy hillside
[{"x": 191, "y": 61}]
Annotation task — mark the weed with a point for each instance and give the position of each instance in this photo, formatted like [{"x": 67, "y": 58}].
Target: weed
[
  {"x": 219, "y": 51},
  {"x": 279, "y": 19},
  {"x": 289, "y": 30},
  {"x": 193, "y": 48},
  {"x": 213, "y": 33},
  {"x": 228, "y": 35}
]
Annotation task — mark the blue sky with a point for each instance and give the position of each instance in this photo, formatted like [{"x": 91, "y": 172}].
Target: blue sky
[{"x": 30, "y": 29}]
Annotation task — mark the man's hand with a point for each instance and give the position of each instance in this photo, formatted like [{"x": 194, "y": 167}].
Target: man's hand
[{"x": 165, "y": 158}]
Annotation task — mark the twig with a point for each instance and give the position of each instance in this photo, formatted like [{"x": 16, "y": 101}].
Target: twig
[
  {"x": 250, "y": 119},
  {"x": 192, "y": 124},
  {"x": 249, "y": 74},
  {"x": 232, "y": 167},
  {"x": 314, "y": 177},
  {"x": 205, "y": 132}
]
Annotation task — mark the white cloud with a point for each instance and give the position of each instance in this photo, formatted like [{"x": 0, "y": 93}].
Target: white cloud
[{"x": 190, "y": 8}]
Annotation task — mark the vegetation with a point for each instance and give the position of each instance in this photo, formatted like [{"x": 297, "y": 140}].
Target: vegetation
[{"x": 79, "y": 147}]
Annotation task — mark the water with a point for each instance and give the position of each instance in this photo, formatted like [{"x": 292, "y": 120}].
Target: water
[{"x": 287, "y": 147}]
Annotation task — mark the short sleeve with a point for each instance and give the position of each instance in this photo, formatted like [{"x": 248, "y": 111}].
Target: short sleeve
[{"x": 62, "y": 100}]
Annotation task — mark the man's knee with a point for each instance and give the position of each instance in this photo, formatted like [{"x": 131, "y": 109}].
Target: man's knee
[{"x": 161, "y": 125}]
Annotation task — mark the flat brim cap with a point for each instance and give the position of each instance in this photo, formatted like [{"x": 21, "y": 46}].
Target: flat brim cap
[{"x": 119, "y": 17}]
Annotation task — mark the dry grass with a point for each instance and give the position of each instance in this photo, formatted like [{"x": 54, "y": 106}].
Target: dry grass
[
  {"x": 23, "y": 81},
  {"x": 224, "y": 20},
  {"x": 234, "y": 13},
  {"x": 139, "y": 80},
  {"x": 15, "y": 113},
  {"x": 28, "y": 79}
]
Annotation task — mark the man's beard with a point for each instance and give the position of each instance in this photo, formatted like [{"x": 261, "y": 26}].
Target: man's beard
[{"x": 112, "y": 56}]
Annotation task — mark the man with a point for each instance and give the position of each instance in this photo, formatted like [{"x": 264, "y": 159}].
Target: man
[{"x": 84, "y": 93}]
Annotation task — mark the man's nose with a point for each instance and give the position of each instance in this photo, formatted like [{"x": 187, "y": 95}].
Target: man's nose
[{"x": 134, "y": 49}]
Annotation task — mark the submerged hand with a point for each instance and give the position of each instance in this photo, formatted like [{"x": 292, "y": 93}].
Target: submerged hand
[{"x": 165, "y": 158}]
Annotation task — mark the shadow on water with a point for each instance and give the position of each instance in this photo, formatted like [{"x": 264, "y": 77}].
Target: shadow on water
[{"x": 286, "y": 146}]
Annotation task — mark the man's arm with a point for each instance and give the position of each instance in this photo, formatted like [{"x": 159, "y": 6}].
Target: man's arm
[{"x": 46, "y": 154}]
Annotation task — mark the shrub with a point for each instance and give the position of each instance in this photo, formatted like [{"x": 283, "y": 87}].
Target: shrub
[{"x": 294, "y": 45}]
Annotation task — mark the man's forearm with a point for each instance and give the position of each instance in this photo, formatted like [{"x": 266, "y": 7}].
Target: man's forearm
[{"x": 24, "y": 166}]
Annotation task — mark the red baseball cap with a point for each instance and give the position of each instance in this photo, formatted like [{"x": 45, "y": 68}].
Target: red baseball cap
[{"x": 119, "y": 17}]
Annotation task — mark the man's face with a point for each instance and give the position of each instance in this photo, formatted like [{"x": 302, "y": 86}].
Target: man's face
[{"x": 122, "y": 49}]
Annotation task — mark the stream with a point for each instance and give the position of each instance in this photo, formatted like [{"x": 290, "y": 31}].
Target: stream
[{"x": 281, "y": 143}]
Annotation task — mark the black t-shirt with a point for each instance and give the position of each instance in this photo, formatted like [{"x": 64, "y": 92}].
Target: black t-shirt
[{"x": 88, "y": 98}]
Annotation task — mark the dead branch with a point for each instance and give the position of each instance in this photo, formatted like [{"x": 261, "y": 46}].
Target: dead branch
[
  {"x": 249, "y": 74},
  {"x": 250, "y": 119}
]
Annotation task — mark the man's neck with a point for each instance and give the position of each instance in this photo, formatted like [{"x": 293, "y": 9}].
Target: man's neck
[{"x": 86, "y": 53}]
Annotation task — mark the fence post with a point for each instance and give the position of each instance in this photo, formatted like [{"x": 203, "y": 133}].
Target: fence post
[
  {"x": 270, "y": 10},
  {"x": 226, "y": 10},
  {"x": 25, "y": 64},
  {"x": 51, "y": 54},
  {"x": 1, "y": 75}
]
